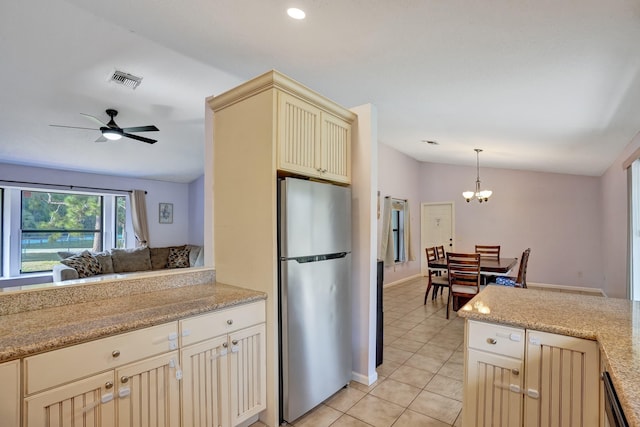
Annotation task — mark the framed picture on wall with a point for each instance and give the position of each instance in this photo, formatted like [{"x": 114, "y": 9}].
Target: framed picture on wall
[{"x": 165, "y": 214}]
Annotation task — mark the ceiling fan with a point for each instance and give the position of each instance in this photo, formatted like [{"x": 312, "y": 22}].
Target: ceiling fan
[{"x": 111, "y": 131}]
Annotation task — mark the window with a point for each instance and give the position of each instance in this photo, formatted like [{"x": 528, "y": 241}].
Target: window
[
  {"x": 52, "y": 222},
  {"x": 397, "y": 228}
]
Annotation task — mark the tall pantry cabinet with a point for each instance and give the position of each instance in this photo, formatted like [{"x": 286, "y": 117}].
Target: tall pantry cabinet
[{"x": 268, "y": 126}]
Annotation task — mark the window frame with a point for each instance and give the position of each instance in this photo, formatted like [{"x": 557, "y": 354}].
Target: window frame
[{"x": 11, "y": 236}]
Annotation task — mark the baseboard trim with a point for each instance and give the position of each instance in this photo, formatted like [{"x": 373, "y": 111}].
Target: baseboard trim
[
  {"x": 364, "y": 379},
  {"x": 563, "y": 288},
  {"x": 401, "y": 281}
]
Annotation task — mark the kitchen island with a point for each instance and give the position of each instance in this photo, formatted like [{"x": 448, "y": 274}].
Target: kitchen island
[
  {"x": 613, "y": 323},
  {"x": 66, "y": 350}
]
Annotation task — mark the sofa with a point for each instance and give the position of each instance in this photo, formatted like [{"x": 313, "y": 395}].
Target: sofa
[{"x": 86, "y": 264}]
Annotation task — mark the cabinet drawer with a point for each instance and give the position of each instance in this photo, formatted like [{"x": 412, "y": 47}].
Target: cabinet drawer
[
  {"x": 62, "y": 366},
  {"x": 496, "y": 339},
  {"x": 221, "y": 322}
]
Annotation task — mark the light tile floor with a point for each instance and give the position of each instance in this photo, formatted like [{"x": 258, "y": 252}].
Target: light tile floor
[{"x": 420, "y": 380}]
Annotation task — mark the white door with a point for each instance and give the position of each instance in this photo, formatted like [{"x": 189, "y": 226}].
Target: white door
[{"x": 436, "y": 223}]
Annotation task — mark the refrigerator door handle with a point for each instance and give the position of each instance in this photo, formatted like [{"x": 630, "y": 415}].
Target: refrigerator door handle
[{"x": 315, "y": 258}]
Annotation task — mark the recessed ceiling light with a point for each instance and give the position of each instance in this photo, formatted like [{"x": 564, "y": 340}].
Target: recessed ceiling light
[
  {"x": 427, "y": 141},
  {"x": 296, "y": 13}
]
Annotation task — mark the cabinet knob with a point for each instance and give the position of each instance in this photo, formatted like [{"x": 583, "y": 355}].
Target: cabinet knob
[
  {"x": 108, "y": 385},
  {"x": 225, "y": 345},
  {"x": 492, "y": 341},
  {"x": 115, "y": 353},
  {"x": 515, "y": 371},
  {"x": 124, "y": 379},
  {"x": 234, "y": 342},
  {"x": 229, "y": 322}
]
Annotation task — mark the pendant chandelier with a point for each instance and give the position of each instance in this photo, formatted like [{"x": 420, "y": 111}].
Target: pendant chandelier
[{"x": 481, "y": 195}]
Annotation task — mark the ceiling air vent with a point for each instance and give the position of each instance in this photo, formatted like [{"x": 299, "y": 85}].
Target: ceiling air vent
[{"x": 125, "y": 79}]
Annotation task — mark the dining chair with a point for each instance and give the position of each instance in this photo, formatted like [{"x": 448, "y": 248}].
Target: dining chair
[
  {"x": 488, "y": 252},
  {"x": 440, "y": 251},
  {"x": 464, "y": 277},
  {"x": 436, "y": 279},
  {"x": 519, "y": 281}
]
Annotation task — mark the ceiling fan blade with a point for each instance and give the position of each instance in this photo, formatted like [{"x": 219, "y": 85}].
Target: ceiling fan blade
[
  {"x": 149, "y": 128},
  {"x": 95, "y": 119},
  {"x": 72, "y": 127},
  {"x": 101, "y": 139},
  {"x": 140, "y": 138}
]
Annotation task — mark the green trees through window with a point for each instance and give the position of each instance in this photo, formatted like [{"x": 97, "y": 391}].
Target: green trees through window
[{"x": 53, "y": 222}]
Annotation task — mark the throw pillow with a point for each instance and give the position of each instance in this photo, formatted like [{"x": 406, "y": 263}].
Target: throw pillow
[
  {"x": 128, "y": 260},
  {"x": 178, "y": 258},
  {"x": 159, "y": 257},
  {"x": 84, "y": 263},
  {"x": 67, "y": 254},
  {"x": 106, "y": 263}
]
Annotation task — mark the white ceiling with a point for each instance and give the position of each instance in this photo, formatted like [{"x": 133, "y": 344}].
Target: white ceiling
[{"x": 550, "y": 85}]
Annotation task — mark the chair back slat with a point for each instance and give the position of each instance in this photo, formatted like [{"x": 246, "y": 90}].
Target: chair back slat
[
  {"x": 464, "y": 269},
  {"x": 440, "y": 251},
  {"x": 488, "y": 251}
]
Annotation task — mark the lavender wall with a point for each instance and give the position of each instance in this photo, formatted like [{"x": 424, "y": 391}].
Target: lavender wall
[
  {"x": 399, "y": 176},
  {"x": 614, "y": 224},
  {"x": 196, "y": 212},
  {"x": 557, "y": 215},
  {"x": 157, "y": 192}
]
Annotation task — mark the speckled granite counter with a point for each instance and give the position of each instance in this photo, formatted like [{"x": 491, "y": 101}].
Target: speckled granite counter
[
  {"x": 99, "y": 310},
  {"x": 614, "y": 323}
]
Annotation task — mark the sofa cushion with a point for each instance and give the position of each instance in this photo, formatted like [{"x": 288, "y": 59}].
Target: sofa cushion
[
  {"x": 106, "y": 263},
  {"x": 85, "y": 263},
  {"x": 159, "y": 257},
  {"x": 128, "y": 260},
  {"x": 194, "y": 252},
  {"x": 178, "y": 257}
]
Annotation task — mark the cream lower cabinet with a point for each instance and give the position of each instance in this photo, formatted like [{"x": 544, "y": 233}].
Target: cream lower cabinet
[
  {"x": 10, "y": 393},
  {"x": 515, "y": 377},
  {"x": 562, "y": 381},
  {"x": 224, "y": 377},
  {"x": 123, "y": 380}
]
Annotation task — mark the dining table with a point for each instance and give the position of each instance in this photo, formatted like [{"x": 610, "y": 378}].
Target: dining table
[{"x": 487, "y": 265}]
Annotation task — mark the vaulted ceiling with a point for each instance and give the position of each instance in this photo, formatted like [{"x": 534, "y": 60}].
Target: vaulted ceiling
[{"x": 548, "y": 85}]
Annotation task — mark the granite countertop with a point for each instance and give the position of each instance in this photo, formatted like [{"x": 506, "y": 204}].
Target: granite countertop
[
  {"x": 614, "y": 323},
  {"x": 33, "y": 331}
]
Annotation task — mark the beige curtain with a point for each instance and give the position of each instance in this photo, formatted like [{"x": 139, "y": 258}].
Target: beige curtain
[
  {"x": 139, "y": 217},
  {"x": 408, "y": 250},
  {"x": 386, "y": 238}
]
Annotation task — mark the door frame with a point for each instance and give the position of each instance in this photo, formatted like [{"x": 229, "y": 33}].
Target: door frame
[{"x": 423, "y": 207}]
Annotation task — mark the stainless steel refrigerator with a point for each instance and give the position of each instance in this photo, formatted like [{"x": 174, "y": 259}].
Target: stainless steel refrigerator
[{"x": 315, "y": 293}]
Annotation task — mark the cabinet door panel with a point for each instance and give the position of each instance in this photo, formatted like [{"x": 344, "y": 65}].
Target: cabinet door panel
[
  {"x": 247, "y": 373},
  {"x": 148, "y": 393},
  {"x": 335, "y": 152},
  {"x": 298, "y": 136},
  {"x": 205, "y": 394},
  {"x": 561, "y": 380},
  {"x": 489, "y": 399},
  {"x": 74, "y": 405},
  {"x": 10, "y": 393}
]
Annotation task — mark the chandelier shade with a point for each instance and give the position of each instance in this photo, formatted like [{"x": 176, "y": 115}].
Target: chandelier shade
[{"x": 479, "y": 194}]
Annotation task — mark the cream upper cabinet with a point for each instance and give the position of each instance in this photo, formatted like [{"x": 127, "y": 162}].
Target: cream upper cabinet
[
  {"x": 312, "y": 142},
  {"x": 515, "y": 377},
  {"x": 10, "y": 393}
]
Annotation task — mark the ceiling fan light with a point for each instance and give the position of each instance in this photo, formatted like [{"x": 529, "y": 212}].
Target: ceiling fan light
[
  {"x": 296, "y": 13},
  {"x": 112, "y": 134}
]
